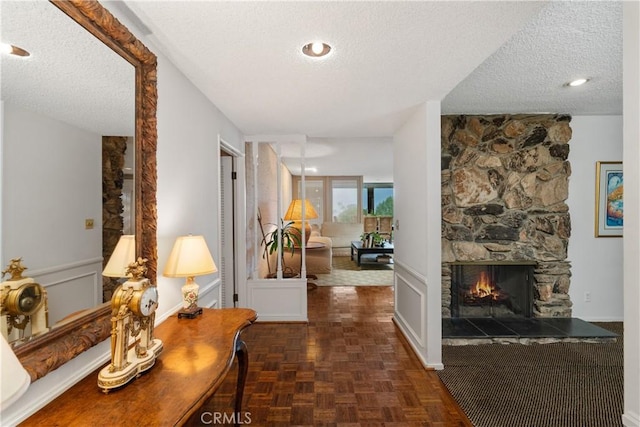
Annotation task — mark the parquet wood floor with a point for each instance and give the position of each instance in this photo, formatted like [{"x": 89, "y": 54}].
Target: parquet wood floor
[{"x": 349, "y": 366}]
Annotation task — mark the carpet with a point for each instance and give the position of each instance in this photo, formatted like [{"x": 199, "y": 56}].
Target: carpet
[
  {"x": 347, "y": 273},
  {"x": 559, "y": 384}
]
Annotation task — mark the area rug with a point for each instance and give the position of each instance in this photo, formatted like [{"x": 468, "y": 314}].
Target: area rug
[
  {"x": 347, "y": 273},
  {"x": 555, "y": 385}
]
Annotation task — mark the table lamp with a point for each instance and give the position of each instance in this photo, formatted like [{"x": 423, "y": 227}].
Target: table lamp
[
  {"x": 189, "y": 257},
  {"x": 294, "y": 213},
  {"x": 123, "y": 255},
  {"x": 15, "y": 379}
]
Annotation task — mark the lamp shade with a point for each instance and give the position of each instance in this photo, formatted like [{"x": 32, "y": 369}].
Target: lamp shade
[
  {"x": 123, "y": 255},
  {"x": 189, "y": 257},
  {"x": 15, "y": 379},
  {"x": 295, "y": 210}
]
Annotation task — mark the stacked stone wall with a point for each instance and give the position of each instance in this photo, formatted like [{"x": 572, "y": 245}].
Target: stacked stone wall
[
  {"x": 113, "y": 154},
  {"x": 505, "y": 181}
]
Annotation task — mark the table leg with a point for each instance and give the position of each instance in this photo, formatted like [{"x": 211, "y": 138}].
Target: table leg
[
  {"x": 359, "y": 256},
  {"x": 243, "y": 368}
]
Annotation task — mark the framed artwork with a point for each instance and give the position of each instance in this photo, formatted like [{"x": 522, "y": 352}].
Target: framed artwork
[{"x": 609, "y": 203}]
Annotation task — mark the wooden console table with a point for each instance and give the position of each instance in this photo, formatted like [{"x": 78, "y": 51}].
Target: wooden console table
[{"x": 197, "y": 355}]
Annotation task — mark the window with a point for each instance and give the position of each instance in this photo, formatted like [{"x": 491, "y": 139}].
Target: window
[
  {"x": 344, "y": 200},
  {"x": 336, "y": 198},
  {"x": 377, "y": 199},
  {"x": 314, "y": 192}
]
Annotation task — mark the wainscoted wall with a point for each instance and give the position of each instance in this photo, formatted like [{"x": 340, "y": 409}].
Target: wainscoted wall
[
  {"x": 52, "y": 173},
  {"x": 71, "y": 288},
  {"x": 409, "y": 297},
  {"x": 505, "y": 180}
]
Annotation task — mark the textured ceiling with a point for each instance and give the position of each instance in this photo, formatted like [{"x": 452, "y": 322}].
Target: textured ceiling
[
  {"x": 477, "y": 57},
  {"x": 70, "y": 76},
  {"x": 567, "y": 40},
  {"x": 388, "y": 57}
]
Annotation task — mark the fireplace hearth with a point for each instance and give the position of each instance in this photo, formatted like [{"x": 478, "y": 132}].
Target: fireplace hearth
[{"x": 499, "y": 290}]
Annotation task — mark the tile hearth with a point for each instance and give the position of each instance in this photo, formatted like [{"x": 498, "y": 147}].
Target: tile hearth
[{"x": 477, "y": 330}]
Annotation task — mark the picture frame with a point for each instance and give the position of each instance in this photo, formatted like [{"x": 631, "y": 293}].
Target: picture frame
[{"x": 609, "y": 214}]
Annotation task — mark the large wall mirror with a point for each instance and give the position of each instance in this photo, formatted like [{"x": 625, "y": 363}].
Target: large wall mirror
[{"x": 74, "y": 334}]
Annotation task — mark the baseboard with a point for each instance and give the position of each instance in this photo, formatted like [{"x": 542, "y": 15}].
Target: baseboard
[{"x": 631, "y": 419}]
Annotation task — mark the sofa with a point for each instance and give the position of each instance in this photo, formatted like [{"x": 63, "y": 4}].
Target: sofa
[
  {"x": 341, "y": 235},
  {"x": 318, "y": 258},
  {"x": 335, "y": 238}
]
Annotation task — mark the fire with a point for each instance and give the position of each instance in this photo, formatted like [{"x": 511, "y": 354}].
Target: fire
[{"x": 483, "y": 287}]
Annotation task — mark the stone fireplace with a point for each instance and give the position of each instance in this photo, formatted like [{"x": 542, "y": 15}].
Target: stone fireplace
[{"x": 505, "y": 180}]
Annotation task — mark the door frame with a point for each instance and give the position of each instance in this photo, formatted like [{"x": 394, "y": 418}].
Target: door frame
[{"x": 237, "y": 263}]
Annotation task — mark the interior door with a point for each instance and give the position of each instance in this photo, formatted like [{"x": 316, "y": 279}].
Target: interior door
[{"x": 227, "y": 215}]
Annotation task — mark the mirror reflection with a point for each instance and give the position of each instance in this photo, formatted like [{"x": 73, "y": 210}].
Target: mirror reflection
[{"x": 68, "y": 113}]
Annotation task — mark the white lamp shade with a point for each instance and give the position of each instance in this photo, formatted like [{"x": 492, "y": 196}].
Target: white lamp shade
[
  {"x": 123, "y": 255},
  {"x": 189, "y": 257},
  {"x": 15, "y": 379}
]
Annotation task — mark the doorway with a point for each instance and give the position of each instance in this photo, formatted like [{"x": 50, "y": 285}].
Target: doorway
[{"x": 228, "y": 225}]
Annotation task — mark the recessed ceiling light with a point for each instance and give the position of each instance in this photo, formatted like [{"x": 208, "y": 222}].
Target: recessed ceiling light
[
  {"x": 311, "y": 169},
  {"x": 577, "y": 82},
  {"x": 316, "y": 49},
  {"x": 13, "y": 50}
]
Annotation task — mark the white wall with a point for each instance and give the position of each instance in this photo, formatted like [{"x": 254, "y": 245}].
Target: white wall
[
  {"x": 631, "y": 242},
  {"x": 47, "y": 195},
  {"x": 417, "y": 271},
  {"x": 48, "y": 192},
  {"x": 188, "y": 173},
  {"x": 596, "y": 262},
  {"x": 188, "y": 128}
]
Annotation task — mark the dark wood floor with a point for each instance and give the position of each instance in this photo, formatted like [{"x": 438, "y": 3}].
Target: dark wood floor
[{"x": 349, "y": 366}]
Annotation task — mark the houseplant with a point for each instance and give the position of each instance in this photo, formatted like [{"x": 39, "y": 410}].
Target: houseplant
[
  {"x": 290, "y": 238},
  {"x": 371, "y": 239},
  {"x": 275, "y": 299}
]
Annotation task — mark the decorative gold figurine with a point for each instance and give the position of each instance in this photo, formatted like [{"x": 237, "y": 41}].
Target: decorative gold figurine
[
  {"x": 133, "y": 347},
  {"x": 23, "y": 304}
]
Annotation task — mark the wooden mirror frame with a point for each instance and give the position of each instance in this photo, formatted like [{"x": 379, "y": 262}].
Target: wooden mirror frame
[{"x": 45, "y": 353}]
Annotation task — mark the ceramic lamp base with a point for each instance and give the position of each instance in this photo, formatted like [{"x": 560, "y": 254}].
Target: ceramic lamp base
[
  {"x": 307, "y": 230},
  {"x": 190, "y": 293},
  {"x": 190, "y": 307}
]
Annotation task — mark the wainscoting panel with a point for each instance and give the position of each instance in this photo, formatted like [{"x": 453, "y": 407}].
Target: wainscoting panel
[
  {"x": 71, "y": 287},
  {"x": 276, "y": 300},
  {"x": 211, "y": 294},
  {"x": 410, "y": 307}
]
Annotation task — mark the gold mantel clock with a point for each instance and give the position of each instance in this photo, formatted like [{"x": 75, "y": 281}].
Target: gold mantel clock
[
  {"x": 133, "y": 348},
  {"x": 23, "y": 304}
]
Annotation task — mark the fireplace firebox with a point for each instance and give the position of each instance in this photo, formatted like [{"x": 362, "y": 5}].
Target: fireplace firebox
[{"x": 492, "y": 290}]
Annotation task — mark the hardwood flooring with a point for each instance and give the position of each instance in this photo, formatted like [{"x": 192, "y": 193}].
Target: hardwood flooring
[{"x": 349, "y": 366}]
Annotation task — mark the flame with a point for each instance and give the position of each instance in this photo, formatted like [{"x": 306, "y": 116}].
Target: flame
[{"x": 483, "y": 287}]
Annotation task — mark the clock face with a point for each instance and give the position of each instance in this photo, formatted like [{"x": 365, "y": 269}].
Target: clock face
[
  {"x": 25, "y": 300},
  {"x": 148, "y": 301},
  {"x": 30, "y": 299}
]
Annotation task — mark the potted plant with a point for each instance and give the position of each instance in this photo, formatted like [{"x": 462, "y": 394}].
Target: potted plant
[
  {"x": 290, "y": 238},
  {"x": 274, "y": 299},
  {"x": 373, "y": 239}
]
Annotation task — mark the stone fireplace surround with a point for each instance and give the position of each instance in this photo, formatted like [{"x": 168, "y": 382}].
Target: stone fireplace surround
[{"x": 505, "y": 180}]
